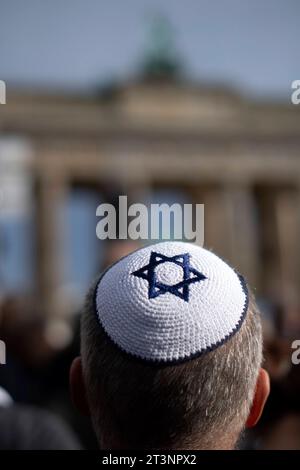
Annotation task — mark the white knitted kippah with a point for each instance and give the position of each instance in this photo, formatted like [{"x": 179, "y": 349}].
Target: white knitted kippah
[{"x": 170, "y": 302}]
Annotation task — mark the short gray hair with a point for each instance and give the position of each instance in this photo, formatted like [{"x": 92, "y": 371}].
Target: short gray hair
[{"x": 140, "y": 405}]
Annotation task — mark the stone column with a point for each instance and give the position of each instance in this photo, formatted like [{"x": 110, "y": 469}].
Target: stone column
[
  {"x": 240, "y": 208},
  {"x": 230, "y": 225},
  {"x": 51, "y": 194},
  {"x": 287, "y": 214},
  {"x": 268, "y": 240},
  {"x": 216, "y": 228}
]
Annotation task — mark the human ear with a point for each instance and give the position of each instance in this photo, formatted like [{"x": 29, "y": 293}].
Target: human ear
[
  {"x": 77, "y": 387},
  {"x": 261, "y": 394}
]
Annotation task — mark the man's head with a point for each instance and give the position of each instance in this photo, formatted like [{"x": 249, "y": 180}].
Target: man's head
[{"x": 171, "y": 352}]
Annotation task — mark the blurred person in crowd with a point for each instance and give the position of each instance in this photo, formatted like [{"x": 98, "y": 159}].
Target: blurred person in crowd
[
  {"x": 279, "y": 427},
  {"x": 29, "y": 353},
  {"x": 30, "y": 428},
  {"x": 33, "y": 360},
  {"x": 171, "y": 352}
]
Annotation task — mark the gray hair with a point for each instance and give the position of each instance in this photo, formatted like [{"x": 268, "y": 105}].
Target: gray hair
[{"x": 139, "y": 405}]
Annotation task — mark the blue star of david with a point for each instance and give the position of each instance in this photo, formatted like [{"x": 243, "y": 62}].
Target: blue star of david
[{"x": 181, "y": 289}]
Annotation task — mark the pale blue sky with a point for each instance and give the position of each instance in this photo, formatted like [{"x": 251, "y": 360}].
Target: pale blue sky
[{"x": 250, "y": 44}]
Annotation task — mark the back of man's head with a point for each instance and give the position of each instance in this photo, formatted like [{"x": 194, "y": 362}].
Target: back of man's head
[{"x": 171, "y": 352}]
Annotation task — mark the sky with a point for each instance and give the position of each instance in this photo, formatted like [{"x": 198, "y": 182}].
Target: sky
[{"x": 250, "y": 45}]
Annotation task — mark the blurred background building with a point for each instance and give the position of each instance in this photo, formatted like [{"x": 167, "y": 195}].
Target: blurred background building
[{"x": 157, "y": 134}]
